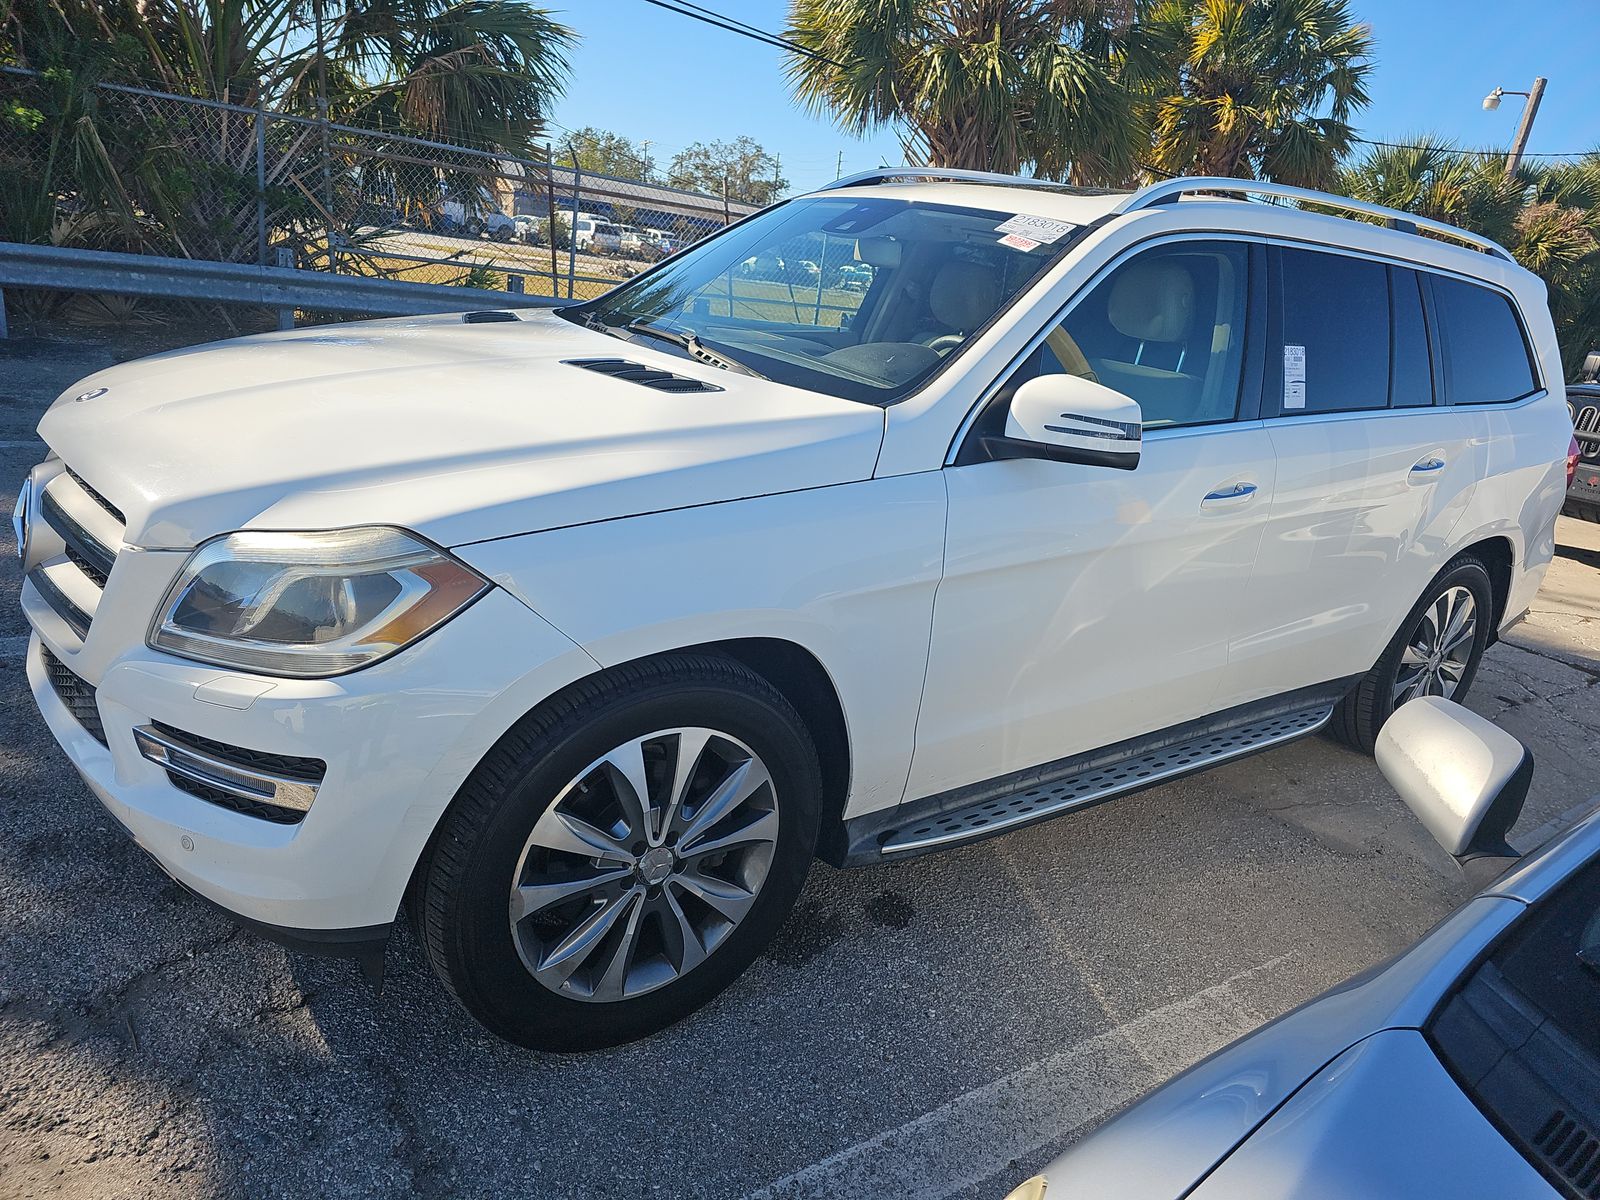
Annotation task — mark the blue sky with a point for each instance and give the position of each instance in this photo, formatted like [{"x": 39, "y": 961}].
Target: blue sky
[{"x": 649, "y": 74}]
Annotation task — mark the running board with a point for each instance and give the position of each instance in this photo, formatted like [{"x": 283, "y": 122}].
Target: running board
[{"x": 1065, "y": 792}]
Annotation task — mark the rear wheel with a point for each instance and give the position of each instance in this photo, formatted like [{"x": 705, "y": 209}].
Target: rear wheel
[
  {"x": 1435, "y": 653},
  {"x": 623, "y": 854}
]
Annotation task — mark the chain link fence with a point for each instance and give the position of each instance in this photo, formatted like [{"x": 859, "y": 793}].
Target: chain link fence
[{"x": 120, "y": 168}]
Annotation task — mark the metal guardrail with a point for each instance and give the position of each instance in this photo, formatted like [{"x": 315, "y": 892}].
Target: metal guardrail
[{"x": 282, "y": 288}]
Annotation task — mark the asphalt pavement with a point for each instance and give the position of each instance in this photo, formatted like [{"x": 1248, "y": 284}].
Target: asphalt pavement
[{"x": 934, "y": 1029}]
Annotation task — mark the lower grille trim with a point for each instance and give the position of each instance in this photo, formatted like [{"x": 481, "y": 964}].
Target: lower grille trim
[
  {"x": 76, "y": 693},
  {"x": 232, "y": 777}
]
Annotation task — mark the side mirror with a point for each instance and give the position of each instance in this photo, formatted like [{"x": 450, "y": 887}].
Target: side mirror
[
  {"x": 1067, "y": 418},
  {"x": 1464, "y": 777}
]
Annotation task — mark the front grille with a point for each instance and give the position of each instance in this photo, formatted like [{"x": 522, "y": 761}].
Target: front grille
[
  {"x": 77, "y": 695},
  {"x": 109, "y": 507},
  {"x": 92, "y": 570},
  {"x": 1586, "y": 425},
  {"x": 75, "y": 617},
  {"x": 90, "y": 529}
]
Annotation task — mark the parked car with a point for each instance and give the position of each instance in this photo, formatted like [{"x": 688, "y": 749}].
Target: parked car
[
  {"x": 853, "y": 277},
  {"x": 581, "y": 632},
  {"x": 527, "y": 228},
  {"x": 585, "y": 229},
  {"x": 630, "y": 240},
  {"x": 1583, "y": 466},
  {"x": 665, "y": 242},
  {"x": 497, "y": 227},
  {"x": 1465, "y": 1068}
]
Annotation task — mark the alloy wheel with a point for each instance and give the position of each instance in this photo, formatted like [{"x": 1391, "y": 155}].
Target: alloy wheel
[
  {"x": 644, "y": 864},
  {"x": 1439, "y": 650}
]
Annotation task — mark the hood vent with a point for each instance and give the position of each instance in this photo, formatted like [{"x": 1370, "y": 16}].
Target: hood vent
[
  {"x": 651, "y": 377},
  {"x": 488, "y": 316}
]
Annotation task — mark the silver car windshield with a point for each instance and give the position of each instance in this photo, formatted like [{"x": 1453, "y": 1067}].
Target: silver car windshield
[{"x": 859, "y": 298}]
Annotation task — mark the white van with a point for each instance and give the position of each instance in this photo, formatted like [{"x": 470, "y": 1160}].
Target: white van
[{"x": 581, "y": 632}]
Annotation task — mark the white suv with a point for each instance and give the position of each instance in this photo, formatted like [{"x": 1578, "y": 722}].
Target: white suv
[{"x": 581, "y": 632}]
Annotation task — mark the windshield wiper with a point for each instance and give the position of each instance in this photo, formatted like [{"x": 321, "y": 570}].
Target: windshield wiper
[
  {"x": 686, "y": 341},
  {"x": 589, "y": 321}
]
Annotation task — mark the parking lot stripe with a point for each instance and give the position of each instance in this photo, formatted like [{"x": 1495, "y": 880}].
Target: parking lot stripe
[{"x": 975, "y": 1136}]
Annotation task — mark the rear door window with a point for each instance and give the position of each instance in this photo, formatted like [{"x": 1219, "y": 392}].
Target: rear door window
[
  {"x": 1485, "y": 354},
  {"x": 1335, "y": 332}
]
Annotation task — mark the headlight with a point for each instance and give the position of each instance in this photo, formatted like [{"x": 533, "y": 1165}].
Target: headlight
[{"x": 310, "y": 605}]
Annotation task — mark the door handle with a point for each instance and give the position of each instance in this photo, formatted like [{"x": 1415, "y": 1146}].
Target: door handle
[
  {"x": 1238, "y": 492},
  {"x": 1428, "y": 466}
]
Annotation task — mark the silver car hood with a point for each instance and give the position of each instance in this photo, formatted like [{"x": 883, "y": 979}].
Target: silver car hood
[
  {"x": 1165, "y": 1144},
  {"x": 1383, "y": 1121}
]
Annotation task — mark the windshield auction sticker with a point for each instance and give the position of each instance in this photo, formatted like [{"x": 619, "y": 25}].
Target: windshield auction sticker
[
  {"x": 1017, "y": 242},
  {"x": 1036, "y": 229}
]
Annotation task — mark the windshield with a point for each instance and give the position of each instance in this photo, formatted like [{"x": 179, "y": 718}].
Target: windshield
[
  {"x": 858, "y": 298},
  {"x": 1522, "y": 1032}
]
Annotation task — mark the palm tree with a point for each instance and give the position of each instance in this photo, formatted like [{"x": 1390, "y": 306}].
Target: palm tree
[
  {"x": 1548, "y": 217},
  {"x": 986, "y": 84},
  {"x": 481, "y": 74},
  {"x": 1261, "y": 89}
]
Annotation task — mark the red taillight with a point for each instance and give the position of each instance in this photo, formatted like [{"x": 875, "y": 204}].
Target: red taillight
[{"x": 1572, "y": 461}]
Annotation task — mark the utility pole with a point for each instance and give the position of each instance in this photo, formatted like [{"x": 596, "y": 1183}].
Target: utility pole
[
  {"x": 1525, "y": 126},
  {"x": 1519, "y": 145},
  {"x": 645, "y": 165},
  {"x": 777, "y": 176},
  {"x": 838, "y": 166}
]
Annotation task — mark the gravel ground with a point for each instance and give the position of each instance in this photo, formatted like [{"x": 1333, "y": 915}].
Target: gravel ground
[{"x": 938, "y": 1028}]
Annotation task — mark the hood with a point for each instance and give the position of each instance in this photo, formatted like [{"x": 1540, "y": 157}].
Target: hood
[
  {"x": 1160, "y": 1147},
  {"x": 460, "y": 432},
  {"x": 1383, "y": 1121}
]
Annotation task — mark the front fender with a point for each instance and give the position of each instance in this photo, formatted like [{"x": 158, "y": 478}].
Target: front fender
[{"x": 847, "y": 573}]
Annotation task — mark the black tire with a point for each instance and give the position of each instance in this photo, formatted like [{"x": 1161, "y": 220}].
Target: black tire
[
  {"x": 1361, "y": 714},
  {"x": 460, "y": 904}
]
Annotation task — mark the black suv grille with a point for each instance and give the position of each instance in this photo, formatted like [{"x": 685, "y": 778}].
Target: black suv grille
[
  {"x": 77, "y": 695},
  {"x": 98, "y": 498}
]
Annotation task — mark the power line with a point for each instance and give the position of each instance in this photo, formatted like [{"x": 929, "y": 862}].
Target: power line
[
  {"x": 696, "y": 12},
  {"x": 1441, "y": 149}
]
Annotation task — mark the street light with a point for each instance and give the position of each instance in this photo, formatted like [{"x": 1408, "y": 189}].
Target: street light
[{"x": 1525, "y": 126}]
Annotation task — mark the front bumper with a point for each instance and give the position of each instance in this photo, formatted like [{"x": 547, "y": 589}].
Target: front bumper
[{"x": 398, "y": 739}]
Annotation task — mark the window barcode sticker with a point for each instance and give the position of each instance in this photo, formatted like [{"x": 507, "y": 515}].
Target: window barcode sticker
[
  {"x": 1294, "y": 377},
  {"x": 1037, "y": 229}
]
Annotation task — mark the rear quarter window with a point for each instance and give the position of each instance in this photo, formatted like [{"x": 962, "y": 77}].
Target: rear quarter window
[{"x": 1485, "y": 352}]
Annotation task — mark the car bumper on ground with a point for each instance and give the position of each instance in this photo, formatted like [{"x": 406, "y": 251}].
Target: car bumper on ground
[{"x": 396, "y": 741}]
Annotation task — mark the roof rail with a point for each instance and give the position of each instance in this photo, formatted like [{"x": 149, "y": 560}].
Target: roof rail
[
  {"x": 957, "y": 175},
  {"x": 1169, "y": 191}
]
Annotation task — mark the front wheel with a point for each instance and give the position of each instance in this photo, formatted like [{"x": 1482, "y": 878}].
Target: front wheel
[
  {"x": 1435, "y": 653},
  {"x": 623, "y": 854}
]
